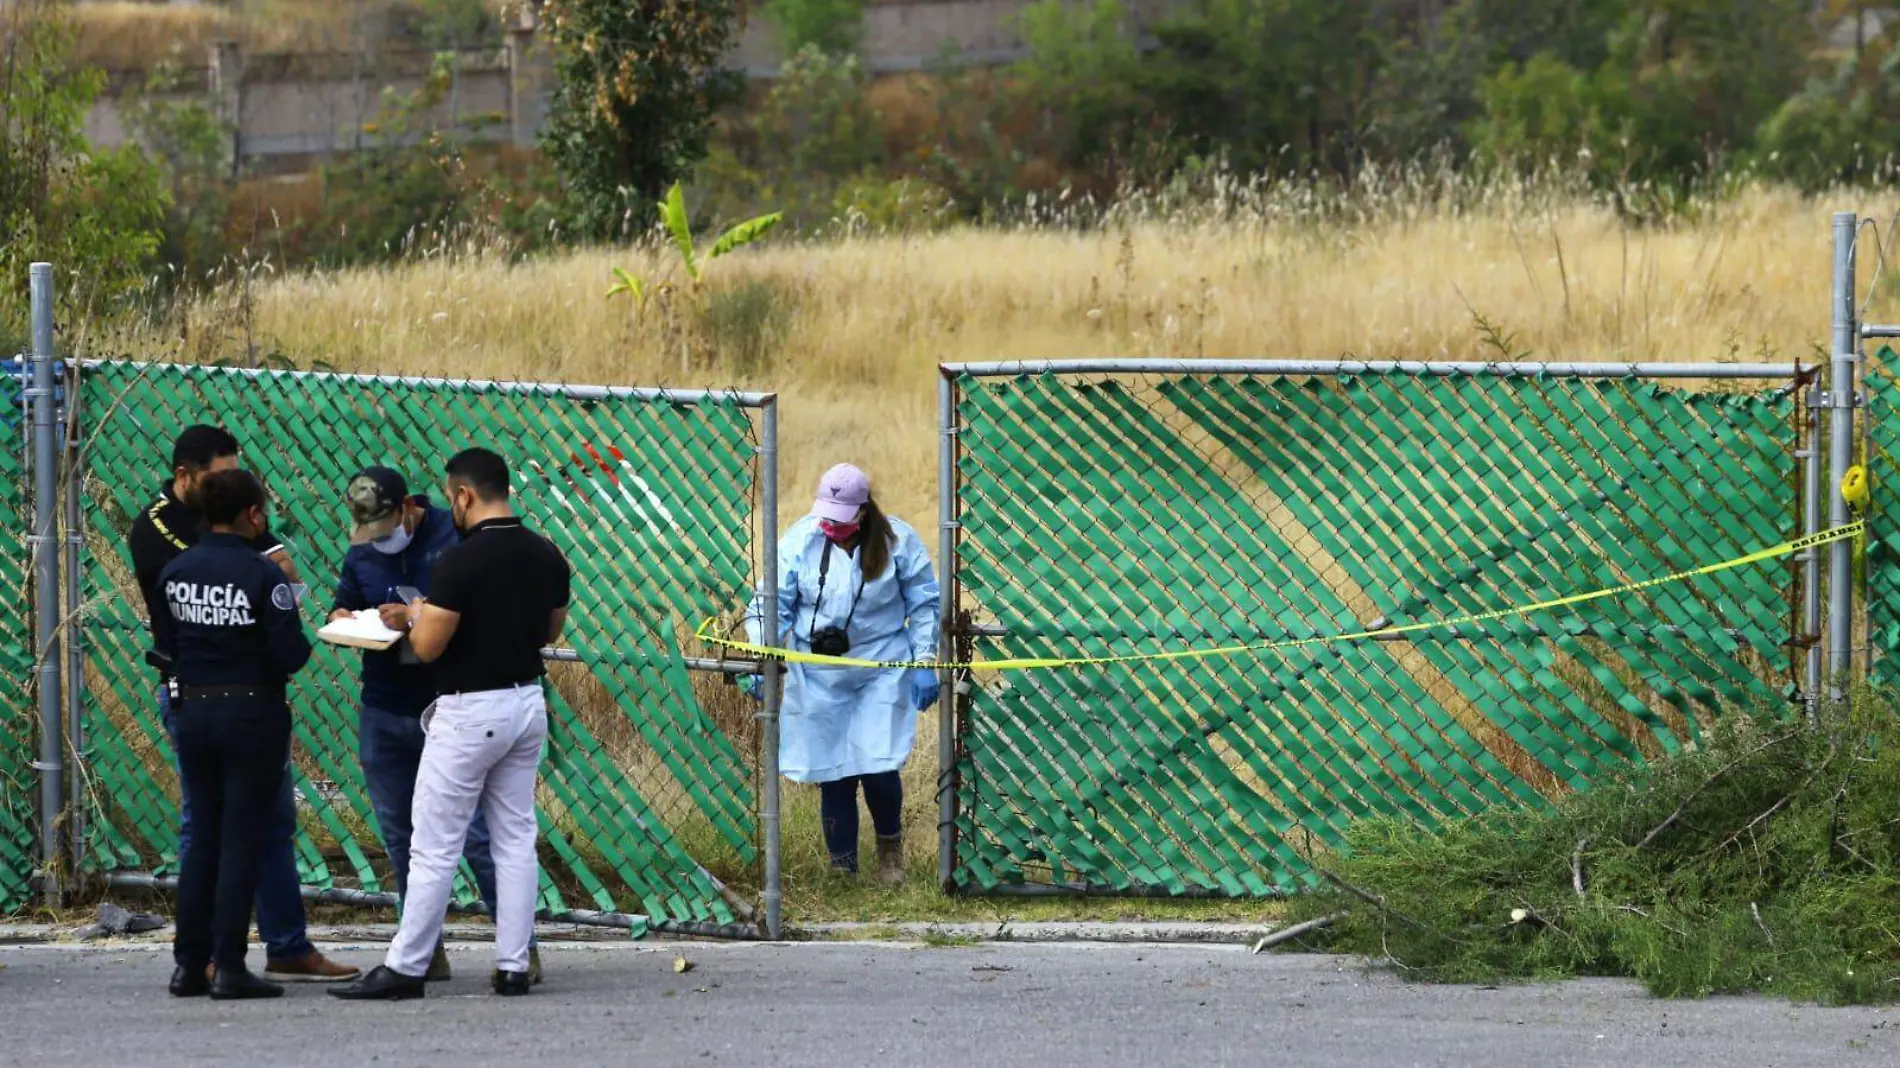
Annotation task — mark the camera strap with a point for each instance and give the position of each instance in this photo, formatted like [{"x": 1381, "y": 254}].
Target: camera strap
[{"x": 824, "y": 570}]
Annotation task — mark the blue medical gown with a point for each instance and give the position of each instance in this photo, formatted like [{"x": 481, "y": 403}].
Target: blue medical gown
[{"x": 839, "y": 722}]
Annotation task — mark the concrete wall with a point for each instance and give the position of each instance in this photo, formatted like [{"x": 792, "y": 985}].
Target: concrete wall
[
  {"x": 909, "y": 35},
  {"x": 289, "y": 109}
]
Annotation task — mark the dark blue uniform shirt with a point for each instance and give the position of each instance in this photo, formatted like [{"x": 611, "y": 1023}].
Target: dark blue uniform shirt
[
  {"x": 369, "y": 579},
  {"x": 166, "y": 528},
  {"x": 227, "y": 617}
]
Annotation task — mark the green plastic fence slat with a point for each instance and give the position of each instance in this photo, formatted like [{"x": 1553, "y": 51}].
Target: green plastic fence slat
[
  {"x": 18, "y": 800},
  {"x": 1883, "y": 536}
]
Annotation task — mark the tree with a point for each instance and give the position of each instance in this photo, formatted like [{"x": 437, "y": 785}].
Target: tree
[
  {"x": 834, "y": 27},
  {"x": 1683, "y": 87},
  {"x": 1841, "y": 128},
  {"x": 1273, "y": 84},
  {"x": 1081, "y": 70},
  {"x": 638, "y": 84},
  {"x": 193, "y": 149},
  {"x": 96, "y": 215}
]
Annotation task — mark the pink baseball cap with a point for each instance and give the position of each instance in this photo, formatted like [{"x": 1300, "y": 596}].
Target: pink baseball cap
[{"x": 841, "y": 492}]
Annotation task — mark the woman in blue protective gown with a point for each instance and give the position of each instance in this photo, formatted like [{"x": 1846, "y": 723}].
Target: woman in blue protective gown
[{"x": 854, "y": 582}]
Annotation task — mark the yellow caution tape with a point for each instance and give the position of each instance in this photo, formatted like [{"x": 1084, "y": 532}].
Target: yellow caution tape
[
  {"x": 1854, "y": 488},
  {"x": 1786, "y": 548}
]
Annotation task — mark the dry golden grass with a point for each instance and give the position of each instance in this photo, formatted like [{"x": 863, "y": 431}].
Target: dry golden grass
[
  {"x": 870, "y": 318},
  {"x": 131, "y": 35}
]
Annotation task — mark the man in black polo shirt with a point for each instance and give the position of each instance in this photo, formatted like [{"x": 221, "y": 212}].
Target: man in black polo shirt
[
  {"x": 498, "y": 598},
  {"x": 162, "y": 532}
]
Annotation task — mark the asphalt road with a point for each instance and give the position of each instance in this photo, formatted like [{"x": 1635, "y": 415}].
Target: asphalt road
[{"x": 839, "y": 1005}]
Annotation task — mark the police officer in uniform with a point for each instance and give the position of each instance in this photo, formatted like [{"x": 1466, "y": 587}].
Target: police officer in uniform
[
  {"x": 229, "y": 628},
  {"x": 163, "y": 530}
]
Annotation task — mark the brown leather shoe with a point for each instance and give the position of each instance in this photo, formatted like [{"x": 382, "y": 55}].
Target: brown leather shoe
[{"x": 312, "y": 967}]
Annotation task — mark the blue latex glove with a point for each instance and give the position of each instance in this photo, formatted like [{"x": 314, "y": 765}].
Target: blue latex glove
[
  {"x": 753, "y": 685},
  {"x": 924, "y": 688}
]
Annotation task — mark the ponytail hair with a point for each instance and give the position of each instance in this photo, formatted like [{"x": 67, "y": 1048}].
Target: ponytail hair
[
  {"x": 223, "y": 496},
  {"x": 875, "y": 539}
]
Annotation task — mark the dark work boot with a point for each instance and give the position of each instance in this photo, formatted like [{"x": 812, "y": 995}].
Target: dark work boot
[
  {"x": 238, "y": 984},
  {"x": 190, "y": 982},
  {"x": 890, "y": 861},
  {"x": 511, "y": 984}
]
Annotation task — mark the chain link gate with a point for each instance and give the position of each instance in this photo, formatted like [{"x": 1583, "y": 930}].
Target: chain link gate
[
  {"x": 17, "y": 731},
  {"x": 1091, "y": 511},
  {"x": 651, "y": 789}
]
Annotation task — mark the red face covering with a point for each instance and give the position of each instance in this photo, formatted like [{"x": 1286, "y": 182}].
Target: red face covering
[{"x": 838, "y": 533}]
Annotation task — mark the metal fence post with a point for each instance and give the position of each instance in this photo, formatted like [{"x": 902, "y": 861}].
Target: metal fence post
[
  {"x": 46, "y": 590},
  {"x": 73, "y": 485},
  {"x": 1843, "y": 385},
  {"x": 774, "y": 689},
  {"x": 946, "y": 641}
]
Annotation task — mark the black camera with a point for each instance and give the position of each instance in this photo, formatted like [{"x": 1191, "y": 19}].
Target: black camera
[{"x": 830, "y": 641}]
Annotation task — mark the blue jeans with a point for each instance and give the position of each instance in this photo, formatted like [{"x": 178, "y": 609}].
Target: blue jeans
[
  {"x": 390, "y": 748},
  {"x": 838, "y": 811},
  {"x": 280, "y": 918}
]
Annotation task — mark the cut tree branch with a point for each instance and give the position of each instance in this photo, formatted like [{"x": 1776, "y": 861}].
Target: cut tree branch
[
  {"x": 1378, "y": 902},
  {"x": 1708, "y": 782},
  {"x": 1755, "y": 910},
  {"x": 1289, "y": 934}
]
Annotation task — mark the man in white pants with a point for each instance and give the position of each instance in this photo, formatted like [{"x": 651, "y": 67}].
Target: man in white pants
[{"x": 498, "y": 597}]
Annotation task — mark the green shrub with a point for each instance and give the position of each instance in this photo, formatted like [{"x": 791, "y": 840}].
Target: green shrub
[
  {"x": 877, "y": 204},
  {"x": 744, "y": 323},
  {"x": 95, "y": 214}
]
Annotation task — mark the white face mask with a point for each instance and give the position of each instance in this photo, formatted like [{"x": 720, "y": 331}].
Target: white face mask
[{"x": 394, "y": 542}]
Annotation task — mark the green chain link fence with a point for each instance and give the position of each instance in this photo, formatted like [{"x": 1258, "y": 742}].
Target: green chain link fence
[
  {"x": 18, "y": 819},
  {"x": 649, "y": 801},
  {"x": 1136, "y": 513},
  {"x": 1881, "y": 574}
]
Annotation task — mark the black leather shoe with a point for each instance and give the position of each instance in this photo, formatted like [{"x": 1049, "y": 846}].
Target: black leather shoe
[
  {"x": 381, "y": 984},
  {"x": 189, "y": 982},
  {"x": 238, "y": 984},
  {"x": 511, "y": 984}
]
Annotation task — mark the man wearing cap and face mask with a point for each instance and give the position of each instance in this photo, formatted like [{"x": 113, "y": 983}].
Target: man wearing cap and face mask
[{"x": 395, "y": 541}]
